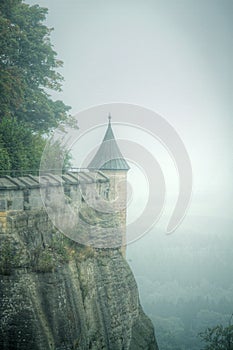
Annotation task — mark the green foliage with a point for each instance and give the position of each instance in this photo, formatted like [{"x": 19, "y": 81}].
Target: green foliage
[
  {"x": 60, "y": 245},
  {"x": 55, "y": 158},
  {"x": 28, "y": 66},
  {"x": 83, "y": 253},
  {"x": 28, "y": 69},
  {"x": 47, "y": 259},
  {"x": 9, "y": 256},
  {"x": 218, "y": 338},
  {"x": 21, "y": 149},
  {"x": 5, "y": 163}
]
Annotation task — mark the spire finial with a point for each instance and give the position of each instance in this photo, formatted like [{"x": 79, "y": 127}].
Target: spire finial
[{"x": 109, "y": 118}]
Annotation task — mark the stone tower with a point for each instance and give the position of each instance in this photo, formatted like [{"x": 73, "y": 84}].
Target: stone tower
[{"x": 110, "y": 161}]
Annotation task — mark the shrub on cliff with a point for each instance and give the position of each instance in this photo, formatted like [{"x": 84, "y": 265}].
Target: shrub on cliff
[
  {"x": 45, "y": 261},
  {"x": 218, "y": 338},
  {"x": 9, "y": 256},
  {"x": 48, "y": 258}
]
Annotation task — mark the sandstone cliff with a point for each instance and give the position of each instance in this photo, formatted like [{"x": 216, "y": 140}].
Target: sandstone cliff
[{"x": 63, "y": 296}]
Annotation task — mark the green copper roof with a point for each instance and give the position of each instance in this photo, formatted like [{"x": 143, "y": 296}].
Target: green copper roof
[{"x": 108, "y": 156}]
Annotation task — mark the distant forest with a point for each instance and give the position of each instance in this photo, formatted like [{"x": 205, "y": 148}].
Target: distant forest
[{"x": 185, "y": 282}]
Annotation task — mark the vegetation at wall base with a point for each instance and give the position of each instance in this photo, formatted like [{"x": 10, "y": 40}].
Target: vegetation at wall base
[{"x": 9, "y": 257}]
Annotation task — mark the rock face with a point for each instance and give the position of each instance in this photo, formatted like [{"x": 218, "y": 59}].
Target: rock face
[
  {"x": 89, "y": 302},
  {"x": 55, "y": 293}
]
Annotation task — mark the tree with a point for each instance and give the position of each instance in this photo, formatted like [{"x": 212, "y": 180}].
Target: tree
[
  {"x": 28, "y": 67},
  {"x": 5, "y": 163},
  {"x": 56, "y": 158},
  {"x": 218, "y": 337},
  {"x": 21, "y": 150}
]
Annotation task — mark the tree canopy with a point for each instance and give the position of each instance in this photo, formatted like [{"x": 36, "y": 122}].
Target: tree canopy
[
  {"x": 28, "y": 71},
  {"x": 28, "y": 67}
]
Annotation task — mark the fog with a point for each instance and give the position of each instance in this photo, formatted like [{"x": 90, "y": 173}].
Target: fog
[
  {"x": 175, "y": 58},
  {"x": 185, "y": 279}
]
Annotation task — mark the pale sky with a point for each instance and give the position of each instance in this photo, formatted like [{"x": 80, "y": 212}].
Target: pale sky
[{"x": 171, "y": 56}]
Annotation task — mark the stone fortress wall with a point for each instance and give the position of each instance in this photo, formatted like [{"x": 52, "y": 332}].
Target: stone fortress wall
[
  {"x": 26, "y": 194},
  {"x": 23, "y": 201}
]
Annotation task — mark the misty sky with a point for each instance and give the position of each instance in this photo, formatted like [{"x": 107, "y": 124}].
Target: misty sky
[{"x": 172, "y": 56}]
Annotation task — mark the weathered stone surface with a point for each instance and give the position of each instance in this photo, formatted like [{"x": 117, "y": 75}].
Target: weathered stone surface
[
  {"x": 55, "y": 294},
  {"x": 90, "y": 304}
]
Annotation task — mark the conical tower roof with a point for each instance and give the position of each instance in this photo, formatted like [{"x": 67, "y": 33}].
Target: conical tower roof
[{"x": 108, "y": 156}]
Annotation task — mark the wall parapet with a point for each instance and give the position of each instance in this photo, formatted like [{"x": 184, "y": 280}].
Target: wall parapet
[
  {"x": 24, "y": 193},
  {"x": 78, "y": 204}
]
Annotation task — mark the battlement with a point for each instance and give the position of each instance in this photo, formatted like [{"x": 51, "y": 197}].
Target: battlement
[
  {"x": 26, "y": 192},
  {"x": 76, "y": 202}
]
